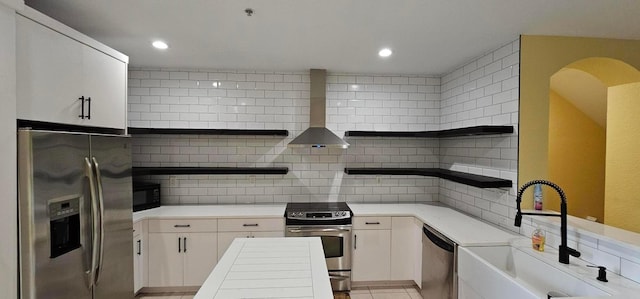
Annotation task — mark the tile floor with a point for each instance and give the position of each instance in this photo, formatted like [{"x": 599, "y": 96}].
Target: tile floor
[
  {"x": 356, "y": 293},
  {"x": 166, "y": 296},
  {"x": 385, "y": 293}
]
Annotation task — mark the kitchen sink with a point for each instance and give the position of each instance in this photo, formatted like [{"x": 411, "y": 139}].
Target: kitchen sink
[{"x": 510, "y": 272}]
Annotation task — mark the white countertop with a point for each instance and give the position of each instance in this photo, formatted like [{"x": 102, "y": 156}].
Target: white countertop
[
  {"x": 213, "y": 211},
  {"x": 460, "y": 228},
  {"x": 270, "y": 268}
]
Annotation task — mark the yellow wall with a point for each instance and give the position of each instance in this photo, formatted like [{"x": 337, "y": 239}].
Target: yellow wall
[
  {"x": 576, "y": 159},
  {"x": 622, "y": 207},
  {"x": 540, "y": 58}
]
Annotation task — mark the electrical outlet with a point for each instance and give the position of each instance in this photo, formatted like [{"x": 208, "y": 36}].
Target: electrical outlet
[
  {"x": 252, "y": 179},
  {"x": 173, "y": 181},
  {"x": 378, "y": 180}
]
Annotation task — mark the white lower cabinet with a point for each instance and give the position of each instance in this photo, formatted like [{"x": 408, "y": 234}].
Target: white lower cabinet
[
  {"x": 137, "y": 263},
  {"x": 182, "y": 252},
  {"x": 404, "y": 248},
  {"x": 371, "y": 249},
  {"x": 387, "y": 248},
  {"x": 229, "y": 229},
  {"x": 139, "y": 256},
  {"x": 200, "y": 257},
  {"x": 165, "y": 262},
  {"x": 225, "y": 239}
]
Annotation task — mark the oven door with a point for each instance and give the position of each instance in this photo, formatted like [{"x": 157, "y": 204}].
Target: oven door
[{"x": 336, "y": 241}]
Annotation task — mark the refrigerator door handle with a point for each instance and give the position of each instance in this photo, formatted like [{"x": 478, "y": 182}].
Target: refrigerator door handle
[
  {"x": 101, "y": 207},
  {"x": 95, "y": 220}
]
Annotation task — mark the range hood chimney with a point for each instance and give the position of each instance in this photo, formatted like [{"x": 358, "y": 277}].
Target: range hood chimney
[{"x": 317, "y": 135}]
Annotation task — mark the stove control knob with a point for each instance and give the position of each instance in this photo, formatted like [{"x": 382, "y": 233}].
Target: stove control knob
[
  {"x": 343, "y": 213},
  {"x": 337, "y": 214}
]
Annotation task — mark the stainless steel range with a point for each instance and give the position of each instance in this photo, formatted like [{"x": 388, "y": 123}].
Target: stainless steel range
[{"x": 331, "y": 221}]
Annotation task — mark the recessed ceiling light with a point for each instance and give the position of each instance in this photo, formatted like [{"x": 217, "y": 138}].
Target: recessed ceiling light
[
  {"x": 386, "y": 52},
  {"x": 160, "y": 45}
]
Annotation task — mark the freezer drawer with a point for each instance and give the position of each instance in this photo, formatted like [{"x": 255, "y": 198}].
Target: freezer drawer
[{"x": 439, "y": 257}]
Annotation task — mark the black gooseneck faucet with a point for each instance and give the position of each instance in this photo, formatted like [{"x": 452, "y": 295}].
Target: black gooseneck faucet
[{"x": 565, "y": 251}]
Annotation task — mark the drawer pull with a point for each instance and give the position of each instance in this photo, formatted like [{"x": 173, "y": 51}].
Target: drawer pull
[
  {"x": 355, "y": 242},
  {"x": 250, "y": 224},
  {"x": 377, "y": 222},
  {"x": 182, "y": 225}
]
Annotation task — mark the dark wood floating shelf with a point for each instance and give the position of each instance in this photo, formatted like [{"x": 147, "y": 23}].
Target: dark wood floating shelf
[
  {"x": 243, "y": 132},
  {"x": 468, "y": 131},
  {"x": 208, "y": 170},
  {"x": 475, "y": 180}
]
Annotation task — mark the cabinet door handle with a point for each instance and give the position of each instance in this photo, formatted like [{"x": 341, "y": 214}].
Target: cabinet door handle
[
  {"x": 250, "y": 224},
  {"x": 139, "y": 247},
  {"x": 89, "y": 110},
  {"x": 184, "y": 242},
  {"x": 179, "y": 245},
  {"x": 81, "y": 107},
  {"x": 367, "y": 223},
  {"x": 355, "y": 242},
  {"x": 182, "y": 225}
]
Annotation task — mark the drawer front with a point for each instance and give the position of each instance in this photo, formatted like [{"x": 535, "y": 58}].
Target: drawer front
[
  {"x": 251, "y": 224},
  {"x": 183, "y": 226},
  {"x": 137, "y": 228},
  {"x": 371, "y": 222}
]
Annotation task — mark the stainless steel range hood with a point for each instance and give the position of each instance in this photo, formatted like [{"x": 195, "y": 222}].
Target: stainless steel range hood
[{"x": 317, "y": 135}]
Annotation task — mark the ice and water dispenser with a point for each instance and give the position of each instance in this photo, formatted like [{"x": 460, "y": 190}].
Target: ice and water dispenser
[{"x": 64, "y": 225}]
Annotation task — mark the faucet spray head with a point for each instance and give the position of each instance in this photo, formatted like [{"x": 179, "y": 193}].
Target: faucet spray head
[{"x": 518, "y": 221}]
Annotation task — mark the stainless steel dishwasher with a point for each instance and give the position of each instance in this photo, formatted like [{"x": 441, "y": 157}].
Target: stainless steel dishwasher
[{"x": 439, "y": 258}]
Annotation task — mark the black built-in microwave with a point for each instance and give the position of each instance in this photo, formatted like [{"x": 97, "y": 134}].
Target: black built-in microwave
[{"x": 145, "y": 196}]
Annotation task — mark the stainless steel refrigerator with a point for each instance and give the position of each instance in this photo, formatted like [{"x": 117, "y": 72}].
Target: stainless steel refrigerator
[{"x": 75, "y": 212}]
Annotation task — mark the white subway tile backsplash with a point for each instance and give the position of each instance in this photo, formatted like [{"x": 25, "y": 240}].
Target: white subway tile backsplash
[
  {"x": 250, "y": 100},
  {"x": 178, "y": 75},
  {"x": 473, "y": 95}
]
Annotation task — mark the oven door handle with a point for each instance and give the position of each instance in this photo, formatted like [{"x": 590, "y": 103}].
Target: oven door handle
[
  {"x": 340, "y": 277},
  {"x": 322, "y": 230}
]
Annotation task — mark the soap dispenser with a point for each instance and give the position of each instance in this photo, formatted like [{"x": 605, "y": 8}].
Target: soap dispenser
[{"x": 537, "y": 239}]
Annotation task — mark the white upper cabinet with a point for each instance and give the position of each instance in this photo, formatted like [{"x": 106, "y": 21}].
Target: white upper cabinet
[
  {"x": 106, "y": 84},
  {"x": 57, "y": 66}
]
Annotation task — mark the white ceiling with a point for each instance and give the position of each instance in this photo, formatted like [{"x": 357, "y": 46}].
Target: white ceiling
[
  {"x": 427, "y": 36},
  {"x": 584, "y": 91}
]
